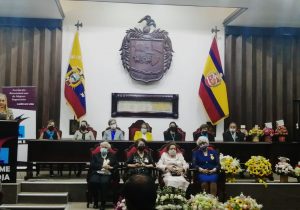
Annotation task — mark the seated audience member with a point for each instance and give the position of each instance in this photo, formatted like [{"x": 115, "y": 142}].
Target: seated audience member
[
  {"x": 232, "y": 134},
  {"x": 141, "y": 161},
  {"x": 174, "y": 166},
  {"x": 204, "y": 132},
  {"x": 172, "y": 133},
  {"x": 206, "y": 162},
  {"x": 113, "y": 133},
  {"x": 83, "y": 133},
  {"x": 50, "y": 132},
  {"x": 102, "y": 166},
  {"x": 5, "y": 112},
  {"x": 143, "y": 133},
  {"x": 140, "y": 193}
]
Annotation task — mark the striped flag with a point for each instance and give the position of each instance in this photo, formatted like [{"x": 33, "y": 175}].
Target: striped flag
[
  {"x": 74, "y": 81},
  {"x": 212, "y": 90}
]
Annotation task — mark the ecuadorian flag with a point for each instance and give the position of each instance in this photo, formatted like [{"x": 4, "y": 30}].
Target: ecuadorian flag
[
  {"x": 74, "y": 81},
  {"x": 212, "y": 89}
]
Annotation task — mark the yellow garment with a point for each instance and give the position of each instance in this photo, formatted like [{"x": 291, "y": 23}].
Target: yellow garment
[{"x": 139, "y": 135}]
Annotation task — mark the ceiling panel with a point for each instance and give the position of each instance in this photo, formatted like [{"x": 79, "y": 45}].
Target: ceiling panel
[{"x": 49, "y": 9}]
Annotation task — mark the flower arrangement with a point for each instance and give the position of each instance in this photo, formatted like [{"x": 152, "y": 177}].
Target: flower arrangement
[
  {"x": 268, "y": 131},
  {"x": 204, "y": 201},
  {"x": 297, "y": 170},
  {"x": 242, "y": 202},
  {"x": 121, "y": 205},
  {"x": 281, "y": 131},
  {"x": 256, "y": 133},
  {"x": 171, "y": 198},
  {"x": 283, "y": 167},
  {"x": 260, "y": 167},
  {"x": 231, "y": 166}
]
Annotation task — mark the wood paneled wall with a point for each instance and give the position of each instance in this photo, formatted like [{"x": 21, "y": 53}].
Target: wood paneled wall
[
  {"x": 32, "y": 57},
  {"x": 262, "y": 73}
]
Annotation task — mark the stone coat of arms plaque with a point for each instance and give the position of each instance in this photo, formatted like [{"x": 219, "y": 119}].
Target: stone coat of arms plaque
[{"x": 146, "y": 54}]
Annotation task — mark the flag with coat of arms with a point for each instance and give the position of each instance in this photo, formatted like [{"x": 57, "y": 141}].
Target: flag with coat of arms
[
  {"x": 212, "y": 90},
  {"x": 75, "y": 82}
]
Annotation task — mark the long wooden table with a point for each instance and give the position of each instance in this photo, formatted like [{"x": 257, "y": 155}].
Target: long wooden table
[{"x": 74, "y": 151}]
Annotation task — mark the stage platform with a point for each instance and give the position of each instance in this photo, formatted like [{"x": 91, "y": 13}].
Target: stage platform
[{"x": 65, "y": 191}]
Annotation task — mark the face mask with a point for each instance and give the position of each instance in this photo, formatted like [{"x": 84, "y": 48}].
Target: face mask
[
  {"x": 144, "y": 130},
  {"x": 51, "y": 128},
  {"x": 172, "y": 152},
  {"x": 113, "y": 126},
  {"x": 203, "y": 147},
  {"x": 141, "y": 148},
  {"x": 232, "y": 130},
  {"x": 103, "y": 151},
  {"x": 204, "y": 132},
  {"x": 83, "y": 127},
  {"x": 173, "y": 128}
]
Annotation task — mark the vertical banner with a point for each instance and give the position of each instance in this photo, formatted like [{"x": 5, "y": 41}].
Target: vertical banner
[
  {"x": 8, "y": 150},
  {"x": 22, "y": 101}
]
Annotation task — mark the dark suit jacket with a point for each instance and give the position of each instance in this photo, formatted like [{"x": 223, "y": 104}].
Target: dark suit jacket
[
  {"x": 210, "y": 137},
  {"x": 97, "y": 162},
  {"x": 227, "y": 137}
]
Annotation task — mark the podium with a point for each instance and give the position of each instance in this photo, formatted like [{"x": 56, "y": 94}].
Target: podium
[{"x": 8, "y": 150}]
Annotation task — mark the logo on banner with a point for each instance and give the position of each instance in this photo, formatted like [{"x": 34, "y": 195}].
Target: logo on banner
[
  {"x": 4, "y": 160},
  {"x": 213, "y": 79},
  {"x": 74, "y": 77}
]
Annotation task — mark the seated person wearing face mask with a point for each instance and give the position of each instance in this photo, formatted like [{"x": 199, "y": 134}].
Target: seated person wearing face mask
[
  {"x": 173, "y": 166},
  {"x": 207, "y": 164},
  {"x": 102, "y": 166},
  {"x": 204, "y": 132},
  {"x": 141, "y": 161},
  {"x": 51, "y": 132},
  {"x": 83, "y": 133},
  {"x": 143, "y": 133},
  {"x": 113, "y": 133},
  {"x": 172, "y": 133},
  {"x": 232, "y": 135}
]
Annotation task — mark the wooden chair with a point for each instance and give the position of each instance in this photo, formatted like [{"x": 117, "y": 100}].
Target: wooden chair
[
  {"x": 180, "y": 131},
  {"x": 93, "y": 131},
  {"x": 136, "y": 126}
]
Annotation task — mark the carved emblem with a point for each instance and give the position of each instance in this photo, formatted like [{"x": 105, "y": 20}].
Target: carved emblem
[{"x": 146, "y": 55}]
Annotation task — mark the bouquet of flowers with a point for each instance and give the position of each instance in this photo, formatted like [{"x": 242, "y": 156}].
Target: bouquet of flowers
[
  {"x": 260, "y": 167},
  {"x": 171, "y": 198},
  {"x": 242, "y": 202},
  {"x": 281, "y": 131},
  {"x": 231, "y": 166},
  {"x": 268, "y": 131},
  {"x": 283, "y": 167},
  {"x": 204, "y": 201},
  {"x": 268, "y": 134},
  {"x": 297, "y": 172},
  {"x": 256, "y": 133},
  {"x": 121, "y": 205}
]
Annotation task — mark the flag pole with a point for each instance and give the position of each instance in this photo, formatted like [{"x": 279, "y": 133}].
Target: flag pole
[
  {"x": 215, "y": 30},
  {"x": 78, "y": 25}
]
